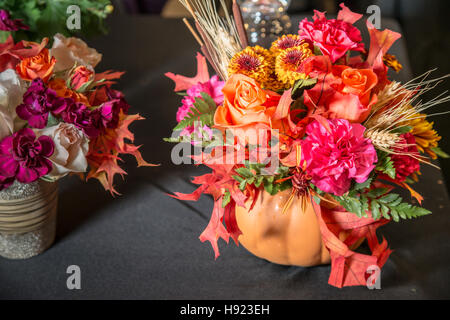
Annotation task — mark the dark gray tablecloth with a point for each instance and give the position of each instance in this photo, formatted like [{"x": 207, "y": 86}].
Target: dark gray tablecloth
[{"x": 145, "y": 245}]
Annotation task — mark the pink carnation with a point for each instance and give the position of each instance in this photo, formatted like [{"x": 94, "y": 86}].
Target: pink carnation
[
  {"x": 24, "y": 157},
  {"x": 213, "y": 88},
  {"x": 334, "y": 37},
  {"x": 334, "y": 157}
]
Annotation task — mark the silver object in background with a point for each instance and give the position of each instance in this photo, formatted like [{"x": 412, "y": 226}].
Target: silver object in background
[
  {"x": 27, "y": 219},
  {"x": 265, "y": 20}
]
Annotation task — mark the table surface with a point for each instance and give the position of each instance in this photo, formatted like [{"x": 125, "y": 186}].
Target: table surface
[{"x": 144, "y": 244}]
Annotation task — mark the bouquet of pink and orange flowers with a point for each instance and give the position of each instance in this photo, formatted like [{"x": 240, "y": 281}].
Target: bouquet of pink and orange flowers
[
  {"x": 315, "y": 114},
  {"x": 58, "y": 116}
]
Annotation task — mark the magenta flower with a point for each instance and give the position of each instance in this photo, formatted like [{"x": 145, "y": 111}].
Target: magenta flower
[
  {"x": 337, "y": 156},
  {"x": 25, "y": 158},
  {"x": 38, "y": 102},
  {"x": 334, "y": 37},
  {"x": 213, "y": 88},
  {"x": 109, "y": 113},
  {"x": 83, "y": 118},
  {"x": 8, "y": 24}
]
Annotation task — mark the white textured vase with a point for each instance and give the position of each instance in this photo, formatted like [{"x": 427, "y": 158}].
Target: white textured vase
[{"x": 27, "y": 219}]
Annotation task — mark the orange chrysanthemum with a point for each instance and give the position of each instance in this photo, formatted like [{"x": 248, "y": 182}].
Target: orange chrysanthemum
[
  {"x": 391, "y": 61},
  {"x": 288, "y": 63},
  {"x": 274, "y": 84},
  {"x": 254, "y": 62},
  {"x": 286, "y": 42}
]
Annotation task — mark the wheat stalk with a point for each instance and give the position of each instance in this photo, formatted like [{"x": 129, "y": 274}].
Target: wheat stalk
[
  {"x": 219, "y": 34},
  {"x": 383, "y": 140},
  {"x": 399, "y": 103}
]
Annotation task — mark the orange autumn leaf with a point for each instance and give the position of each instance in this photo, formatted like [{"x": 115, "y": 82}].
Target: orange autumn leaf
[
  {"x": 105, "y": 150},
  {"x": 106, "y": 77}
]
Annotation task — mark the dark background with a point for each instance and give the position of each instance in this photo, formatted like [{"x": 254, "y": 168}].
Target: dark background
[{"x": 425, "y": 24}]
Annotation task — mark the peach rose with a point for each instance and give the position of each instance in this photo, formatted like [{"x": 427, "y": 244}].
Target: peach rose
[
  {"x": 245, "y": 103},
  {"x": 71, "y": 148},
  {"x": 40, "y": 66},
  {"x": 59, "y": 85},
  {"x": 69, "y": 51},
  {"x": 12, "y": 89}
]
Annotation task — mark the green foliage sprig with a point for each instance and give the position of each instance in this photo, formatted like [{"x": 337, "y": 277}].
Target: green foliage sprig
[
  {"x": 251, "y": 174},
  {"x": 48, "y": 17}
]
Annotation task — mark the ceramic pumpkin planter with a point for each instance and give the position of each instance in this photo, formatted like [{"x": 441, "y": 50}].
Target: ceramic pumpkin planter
[{"x": 291, "y": 238}]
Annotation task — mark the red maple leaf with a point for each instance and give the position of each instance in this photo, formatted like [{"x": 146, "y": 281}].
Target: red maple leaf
[
  {"x": 104, "y": 152},
  {"x": 184, "y": 83},
  {"x": 214, "y": 184}
]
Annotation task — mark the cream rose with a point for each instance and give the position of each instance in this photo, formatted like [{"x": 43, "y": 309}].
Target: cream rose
[
  {"x": 11, "y": 94},
  {"x": 69, "y": 51},
  {"x": 71, "y": 147}
]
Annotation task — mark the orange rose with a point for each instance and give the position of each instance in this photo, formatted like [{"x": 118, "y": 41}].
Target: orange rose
[
  {"x": 245, "y": 103},
  {"x": 59, "y": 85},
  {"x": 81, "y": 75},
  {"x": 345, "y": 93},
  {"x": 40, "y": 66}
]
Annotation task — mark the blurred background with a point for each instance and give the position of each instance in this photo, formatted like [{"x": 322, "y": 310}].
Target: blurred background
[{"x": 425, "y": 24}]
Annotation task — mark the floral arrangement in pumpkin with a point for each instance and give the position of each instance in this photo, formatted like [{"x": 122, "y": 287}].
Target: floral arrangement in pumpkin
[
  {"x": 58, "y": 116},
  {"x": 344, "y": 134}
]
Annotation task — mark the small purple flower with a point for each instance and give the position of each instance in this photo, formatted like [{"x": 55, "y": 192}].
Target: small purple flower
[
  {"x": 25, "y": 158},
  {"x": 8, "y": 24},
  {"x": 83, "y": 118},
  {"x": 38, "y": 102}
]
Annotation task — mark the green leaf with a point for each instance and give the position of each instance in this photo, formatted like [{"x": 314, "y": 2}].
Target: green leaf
[
  {"x": 202, "y": 111},
  {"x": 389, "y": 206},
  {"x": 52, "y": 120},
  {"x": 226, "y": 198},
  {"x": 316, "y": 199},
  {"x": 385, "y": 164},
  {"x": 245, "y": 172},
  {"x": 4, "y": 35},
  {"x": 375, "y": 193},
  {"x": 402, "y": 129},
  {"x": 362, "y": 186},
  {"x": 301, "y": 85},
  {"x": 317, "y": 51},
  {"x": 440, "y": 153},
  {"x": 387, "y": 199},
  {"x": 375, "y": 208}
]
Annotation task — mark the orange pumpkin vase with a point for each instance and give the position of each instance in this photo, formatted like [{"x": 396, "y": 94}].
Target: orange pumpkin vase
[{"x": 291, "y": 238}]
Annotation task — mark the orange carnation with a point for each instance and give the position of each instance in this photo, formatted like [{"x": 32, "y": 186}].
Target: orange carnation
[
  {"x": 245, "y": 103},
  {"x": 39, "y": 66},
  {"x": 59, "y": 85}
]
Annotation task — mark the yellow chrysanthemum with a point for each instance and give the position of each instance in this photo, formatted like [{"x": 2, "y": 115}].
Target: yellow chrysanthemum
[
  {"x": 391, "y": 61},
  {"x": 288, "y": 63},
  {"x": 254, "y": 62},
  {"x": 285, "y": 42},
  {"x": 426, "y": 137}
]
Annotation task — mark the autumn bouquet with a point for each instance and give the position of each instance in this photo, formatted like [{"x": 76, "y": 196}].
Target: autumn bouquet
[
  {"x": 306, "y": 140},
  {"x": 58, "y": 116}
]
